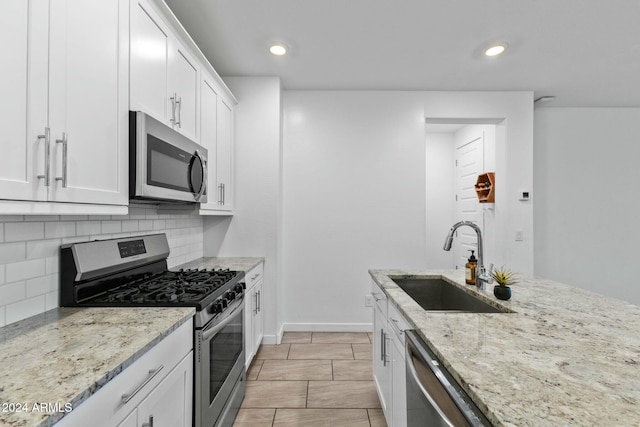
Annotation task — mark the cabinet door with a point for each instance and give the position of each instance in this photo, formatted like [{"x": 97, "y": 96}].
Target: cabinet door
[
  {"x": 208, "y": 137},
  {"x": 170, "y": 403},
  {"x": 88, "y": 75},
  {"x": 258, "y": 317},
  {"x": 182, "y": 90},
  {"x": 398, "y": 385},
  {"x": 249, "y": 313},
  {"x": 381, "y": 374},
  {"x": 224, "y": 154},
  {"x": 149, "y": 55},
  {"x": 24, "y": 27}
]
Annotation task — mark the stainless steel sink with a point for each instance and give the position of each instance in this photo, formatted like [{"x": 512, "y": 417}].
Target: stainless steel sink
[{"x": 440, "y": 295}]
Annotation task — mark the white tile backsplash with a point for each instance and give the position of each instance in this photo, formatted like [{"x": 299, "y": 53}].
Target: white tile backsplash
[
  {"x": 25, "y": 308},
  {"x": 22, "y": 231},
  {"x": 59, "y": 229},
  {"x": 29, "y": 256},
  {"x": 12, "y": 252}
]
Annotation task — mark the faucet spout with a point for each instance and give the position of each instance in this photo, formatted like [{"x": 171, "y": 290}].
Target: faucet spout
[{"x": 481, "y": 275}]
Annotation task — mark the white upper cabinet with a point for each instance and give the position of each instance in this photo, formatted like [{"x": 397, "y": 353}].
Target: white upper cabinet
[
  {"x": 224, "y": 154},
  {"x": 23, "y": 152},
  {"x": 209, "y": 136},
  {"x": 66, "y": 125},
  {"x": 216, "y": 135},
  {"x": 164, "y": 75},
  {"x": 183, "y": 90}
]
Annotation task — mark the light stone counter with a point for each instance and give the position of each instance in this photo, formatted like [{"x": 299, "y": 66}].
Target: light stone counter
[
  {"x": 65, "y": 355},
  {"x": 232, "y": 263},
  {"x": 565, "y": 357}
]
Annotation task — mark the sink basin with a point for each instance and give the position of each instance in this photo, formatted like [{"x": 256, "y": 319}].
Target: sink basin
[{"x": 440, "y": 295}]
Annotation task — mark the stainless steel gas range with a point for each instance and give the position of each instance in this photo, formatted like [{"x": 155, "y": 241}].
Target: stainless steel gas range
[{"x": 133, "y": 272}]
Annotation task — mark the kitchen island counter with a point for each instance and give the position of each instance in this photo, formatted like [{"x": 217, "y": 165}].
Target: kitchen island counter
[
  {"x": 564, "y": 357},
  {"x": 52, "y": 362}
]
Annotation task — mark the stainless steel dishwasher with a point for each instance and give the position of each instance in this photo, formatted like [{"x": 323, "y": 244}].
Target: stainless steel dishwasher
[{"x": 434, "y": 398}]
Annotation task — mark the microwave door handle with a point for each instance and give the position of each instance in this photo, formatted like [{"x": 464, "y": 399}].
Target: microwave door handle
[{"x": 203, "y": 187}]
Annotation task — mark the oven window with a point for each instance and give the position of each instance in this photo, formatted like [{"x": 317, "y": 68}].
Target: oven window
[
  {"x": 225, "y": 348},
  {"x": 167, "y": 166}
]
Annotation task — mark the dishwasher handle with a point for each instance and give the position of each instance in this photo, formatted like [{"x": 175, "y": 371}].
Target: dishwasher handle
[{"x": 417, "y": 351}]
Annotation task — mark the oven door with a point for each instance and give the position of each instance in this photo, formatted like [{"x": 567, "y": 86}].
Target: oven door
[
  {"x": 220, "y": 377},
  {"x": 164, "y": 164}
]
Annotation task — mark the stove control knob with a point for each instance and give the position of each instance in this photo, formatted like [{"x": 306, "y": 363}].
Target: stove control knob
[
  {"x": 217, "y": 307},
  {"x": 230, "y": 296},
  {"x": 238, "y": 288}
]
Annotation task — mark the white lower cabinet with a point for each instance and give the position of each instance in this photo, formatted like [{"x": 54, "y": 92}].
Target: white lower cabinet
[
  {"x": 155, "y": 391},
  {"x": 253, "y": 317},
  {"x": 389, "y": 370}
]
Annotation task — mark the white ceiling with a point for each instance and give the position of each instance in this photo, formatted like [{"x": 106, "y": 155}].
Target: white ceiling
[{"x": 584, "y": 52}]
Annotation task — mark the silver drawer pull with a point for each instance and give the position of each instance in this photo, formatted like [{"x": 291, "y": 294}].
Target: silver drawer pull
[
  {"x": 125, "y": 398},
  {"x": 396, "y": 323},
  {"x": 150, "y": 423}
]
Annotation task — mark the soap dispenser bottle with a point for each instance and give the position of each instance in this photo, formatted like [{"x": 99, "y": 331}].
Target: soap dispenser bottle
[{"x": 470, "y": 269}]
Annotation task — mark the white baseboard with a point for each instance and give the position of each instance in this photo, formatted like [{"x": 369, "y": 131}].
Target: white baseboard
[
  {"x": 328, "y": 327},
  {"x": 274, "y": 339}
]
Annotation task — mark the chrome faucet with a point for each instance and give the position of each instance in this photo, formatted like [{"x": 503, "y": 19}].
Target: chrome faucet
[{"x": 482, "y": 277}]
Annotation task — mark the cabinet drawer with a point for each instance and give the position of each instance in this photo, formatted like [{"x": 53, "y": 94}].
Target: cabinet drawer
[
  {"x": 379, "y": 297},
  {"x": 397, "y": 324},
  {"x": 254, "y": 275},
  {"x": 137, "y": 380}
]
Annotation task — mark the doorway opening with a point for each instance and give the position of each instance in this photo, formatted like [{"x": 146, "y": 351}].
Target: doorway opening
[{"x": 456, "y": 152}]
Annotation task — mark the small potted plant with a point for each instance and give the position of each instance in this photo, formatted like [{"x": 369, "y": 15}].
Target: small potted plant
[{"x": 504, "y": 278}]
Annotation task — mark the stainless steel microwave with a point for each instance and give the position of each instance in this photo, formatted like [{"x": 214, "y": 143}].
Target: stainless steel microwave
[{"x": 164, "y": 165}]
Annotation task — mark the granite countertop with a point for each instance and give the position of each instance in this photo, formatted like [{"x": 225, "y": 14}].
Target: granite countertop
[
  {"x": 232, "y": 263},
  {"x": 564, "y": 357},
  {"x": 65, "y": 355}
]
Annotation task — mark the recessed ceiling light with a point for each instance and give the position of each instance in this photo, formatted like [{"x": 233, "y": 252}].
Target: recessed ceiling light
[
  {"x": 278, "y": 49},
  {"x": 495, "y": 49}
]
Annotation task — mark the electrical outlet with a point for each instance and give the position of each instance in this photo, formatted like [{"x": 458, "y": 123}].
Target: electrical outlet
[{"x": 368, "y": 300}]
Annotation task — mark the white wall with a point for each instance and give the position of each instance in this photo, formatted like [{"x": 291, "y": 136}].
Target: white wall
[
  {"x": 586, "y": 190},
  {"x": 439, "y": 198},
  {"x": 29, "y": 251},
  {"x": 254, "y": 229},
  {"x": 353, "y": 199},
  {"x": 354, "y": 192}
]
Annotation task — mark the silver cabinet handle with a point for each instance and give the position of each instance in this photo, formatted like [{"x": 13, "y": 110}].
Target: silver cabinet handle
[
  {"x": 203, "y": 188},
  {"x": 179, "y": 115},
  {"x": 254, "y": 301},
  {"x": 381, "y": 344},
  {"x": 384, "y": 347},
  {"x": 174, "y": 100},
  {"x": 63, "y": 141},
  {"x": 374, "y": 295},
  {"x": 47, "y": 156},
  {"x": 224, "y": 194},
  {"x": 219, "y": 194},
  {"x": 125, "y": 398},
  {"x": 258, "y": 301},
  {"x": 254, "y": 276},
  {"x": 396, "y": 323},
  {"x": 150, "y": 423}
]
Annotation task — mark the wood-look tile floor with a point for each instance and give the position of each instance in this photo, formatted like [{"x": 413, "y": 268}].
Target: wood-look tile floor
[{"x": 312, "y": 379}]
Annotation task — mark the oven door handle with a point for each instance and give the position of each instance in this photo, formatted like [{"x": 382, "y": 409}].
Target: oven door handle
[{"x": 211, "y": 331}]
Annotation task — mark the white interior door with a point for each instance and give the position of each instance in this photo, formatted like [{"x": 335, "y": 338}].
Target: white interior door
[{"x": 469, "y": 163}]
